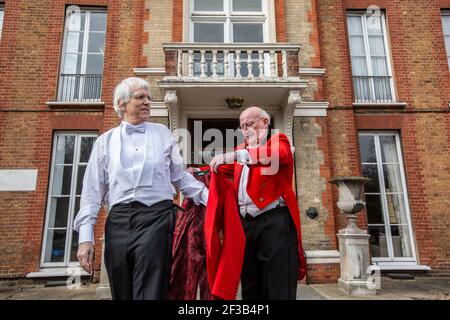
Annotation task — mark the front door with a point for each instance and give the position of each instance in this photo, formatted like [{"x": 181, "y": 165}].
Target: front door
[{"x": 212, "y": 136}]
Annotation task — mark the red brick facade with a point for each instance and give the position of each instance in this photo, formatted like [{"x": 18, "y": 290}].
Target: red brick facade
[{"x": 30, "y": 56}]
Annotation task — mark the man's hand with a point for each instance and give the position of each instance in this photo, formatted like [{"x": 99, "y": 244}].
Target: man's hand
[
  {"x": 85, "y": 256},
  {"x": 221, "y": 159}
]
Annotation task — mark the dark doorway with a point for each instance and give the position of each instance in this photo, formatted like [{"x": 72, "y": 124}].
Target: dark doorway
[{"x": 223, "y": 137}]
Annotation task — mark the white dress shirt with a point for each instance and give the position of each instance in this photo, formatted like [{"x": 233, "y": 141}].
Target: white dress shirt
[
  {"x": 246, "y": 205},
  {"x": 128, "y": 165}
]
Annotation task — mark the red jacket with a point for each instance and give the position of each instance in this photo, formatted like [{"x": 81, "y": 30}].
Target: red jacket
[
  {"x": 223, "y": 261},
  {"x": 270, "y": 177}
]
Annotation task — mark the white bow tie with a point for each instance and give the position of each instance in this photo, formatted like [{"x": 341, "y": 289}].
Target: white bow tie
[{"x": 139, "y": 128}]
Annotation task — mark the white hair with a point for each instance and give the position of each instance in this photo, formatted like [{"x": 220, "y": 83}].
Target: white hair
[
  {"x": 122, "y": 93},
  {"x": 264, "y": 114}
]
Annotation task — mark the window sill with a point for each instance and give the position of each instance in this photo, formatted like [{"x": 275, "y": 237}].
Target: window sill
[
  {"x": 57, "y": 272},
  {"x": 76, "y": 105},
  {"x": 392, "y": 266},
  {"x": 380, "y": 105}
]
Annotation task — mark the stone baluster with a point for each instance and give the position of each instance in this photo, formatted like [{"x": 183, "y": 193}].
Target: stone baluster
[
  {"x": 273, "y": 69},
  {"x": 261, "y": 64},
  {"x": 238, "y": 64},
  {"x": 202, "y": 64},
  {"x": 191, "y": 63},
  {"x": 214, "y": 64},
  {"x": 284, "y": 63}
]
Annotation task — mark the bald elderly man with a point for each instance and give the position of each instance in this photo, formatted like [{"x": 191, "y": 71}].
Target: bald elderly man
[{"x": 262, "y": 169}]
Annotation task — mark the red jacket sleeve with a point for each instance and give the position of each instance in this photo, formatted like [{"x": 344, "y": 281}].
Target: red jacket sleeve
[{"x": 277, "y": 148}]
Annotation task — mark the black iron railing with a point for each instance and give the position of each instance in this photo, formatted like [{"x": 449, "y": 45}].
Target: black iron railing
[
  {"x": 372, "y": 89},
  {"x": 80, "y": 87}
]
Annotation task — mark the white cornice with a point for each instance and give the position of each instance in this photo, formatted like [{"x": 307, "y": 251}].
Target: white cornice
[
  {"x": 149, "y": 71},
  {"x": 322, "y": 256},
  {"x": 158, "y": 109},
  {"x": 312, "y": 71},
  {"x": 311, "y": 109}
]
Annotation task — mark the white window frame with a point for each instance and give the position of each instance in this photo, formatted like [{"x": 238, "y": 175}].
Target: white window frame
[
  {"x": 446, "y": 13},
  {"x": 86, "y": 32},
  {"x": 228, "y": 17},
  {"x": 72, "y": 198},
  {"x": 363, "y": 16},
  {"x": 383, "y": 198},
  {"x": 2, "y": 10}
]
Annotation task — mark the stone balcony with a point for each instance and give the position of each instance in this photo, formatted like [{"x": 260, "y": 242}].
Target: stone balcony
[
  {"x": 231, "y": 62},
  {"x": 199, "y": 77}
]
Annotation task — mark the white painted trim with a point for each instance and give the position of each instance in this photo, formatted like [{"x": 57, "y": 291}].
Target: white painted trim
[
  {"x": 322, "y": 256},
  {"x": 230, "y": 46},
  {"x": 380, "y": 104},
  {"x": 390, "y": 259},
  {"x": 57, "y": 272},
  {"x": 72, "y": 198},
  {"x": 183, "y": 82},
  {"x": 149, "y": 71},
  {"x": 62, "y": 104},
  {"x": 312, "y": 71},
  {"x": 396, "y": 266},
  {"x": 311, "y": 109},
  {"x": 159, "y": 109}
]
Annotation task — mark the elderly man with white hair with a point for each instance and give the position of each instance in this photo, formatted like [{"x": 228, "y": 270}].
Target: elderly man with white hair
[{"x": 133, "y": 168}]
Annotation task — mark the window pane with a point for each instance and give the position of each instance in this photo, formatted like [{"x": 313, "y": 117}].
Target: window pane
[
  {"x": 446, "y": 24},
  {"x": 379, "y": 67},
  {"x": 74, "y": 247},
  {"x": 357, "y": 46},
  {"x": 396, "y": 209},
  {"x": 248, "y": 32},
  {"x": 96, "y": 42},
  {"x": 64, "y": 149},
  {"x": 401, "y": 242},
  {"x": 72, "y": 63},
  {"x": 374, "y": 209},
  {"x": 388, "y": 149},
  {"x": 376, "y": 45},
  {"x": 1, "y": 19},
  {"x": 247, "y": 5},
  {"x": 392, "y": 178},
  {"x": 74, "y": 42},
  {"x": 359, "y": 66},
  {"x": 378, "y": 241},
  {"x": 371, "y": 171},
  {"x": 208, "y": 32},
  {"x": 367, "y": 149},
  {"x": 354, "y": 25},
  {"x": 81, "y": 171},
  {"x": 59, "y": 211},
  {"x": 94, "y": 64},
  {"x": 87, "y": 143},
  {"x": 77, "y": 207},
  {"x": 98, "y": 21},
  {"x": 374, "y": 24},
  {"x": 62, "y": 180},
  {"x": 75, "y": 21},
  {"x": 55, "y": 247},
  {"x": 208, "y": 5}
]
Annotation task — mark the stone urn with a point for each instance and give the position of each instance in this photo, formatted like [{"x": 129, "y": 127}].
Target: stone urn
[{"x": 355, "y": 276}]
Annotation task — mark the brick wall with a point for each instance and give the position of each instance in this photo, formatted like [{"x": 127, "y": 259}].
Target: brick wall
[
  {"x": 422, "y": 81},
  {"x": 30, "y": 53}
]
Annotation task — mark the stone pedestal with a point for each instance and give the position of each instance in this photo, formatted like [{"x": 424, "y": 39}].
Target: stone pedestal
[
  {"x": 103, "y": 291},
  {"x": 354, "y": 255}
]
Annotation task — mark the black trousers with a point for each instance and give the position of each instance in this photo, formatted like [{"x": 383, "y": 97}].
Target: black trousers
[
  {"x": 271, "y": 259},
  {"x": 138, "y": 245}
]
